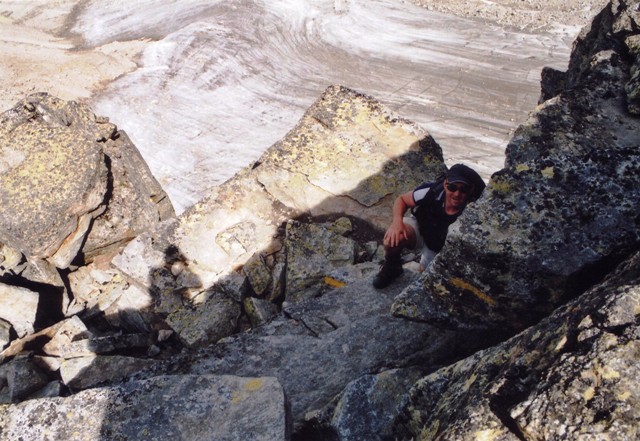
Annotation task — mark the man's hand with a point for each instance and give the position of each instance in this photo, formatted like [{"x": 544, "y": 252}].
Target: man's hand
[{"x": 396, "y": 234}]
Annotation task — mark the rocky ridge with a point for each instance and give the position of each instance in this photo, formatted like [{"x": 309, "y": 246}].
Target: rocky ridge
[{"x": 259, "y": 297}]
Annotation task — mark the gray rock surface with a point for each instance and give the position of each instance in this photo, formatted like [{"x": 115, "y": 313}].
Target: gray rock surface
[
  {"x": 168, "y": 407},
  {"x": 366, "y": 409},
  {"x": 288, "y": 247},
  {"x": 572, "y": 376},
  {"x": 318, "y": 346},
  {"x": 19, "y": 378},
  {"x": 92, "y": 370},
  {"x": 563, "y": 211}
]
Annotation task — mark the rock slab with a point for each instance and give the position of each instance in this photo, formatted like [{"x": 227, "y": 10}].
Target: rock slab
[
  {"x": 166, "y": 407},
  {"x": 572, "y": 376}
]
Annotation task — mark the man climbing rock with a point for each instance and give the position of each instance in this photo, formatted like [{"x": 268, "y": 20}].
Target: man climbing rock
[{"x": 434, "y": 206}]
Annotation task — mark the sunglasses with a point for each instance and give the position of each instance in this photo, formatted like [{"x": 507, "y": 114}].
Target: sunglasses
[{"x": 462, "y": 188}]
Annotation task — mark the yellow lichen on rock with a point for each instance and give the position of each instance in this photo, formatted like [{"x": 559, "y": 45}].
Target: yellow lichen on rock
[
  {"x": 61, "y": 176},
  {"x": 459, "y": 283},
  {"x": 548, "y": 172},
  {"x": 252, "y": 385},
  {"x": 499, "y": 187}
]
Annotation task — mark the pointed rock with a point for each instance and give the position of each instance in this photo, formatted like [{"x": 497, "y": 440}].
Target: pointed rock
[{"x": 574, "y": 373}]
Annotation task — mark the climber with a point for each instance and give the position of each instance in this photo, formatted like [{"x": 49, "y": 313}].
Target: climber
[{"x": 434, "y": 206}]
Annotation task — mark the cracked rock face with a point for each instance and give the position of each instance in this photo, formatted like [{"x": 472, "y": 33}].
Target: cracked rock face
[
  {"x": 74, "y": 191},
  {"x": 572, "y": 376},
  {"x": 563, "y": 211}
]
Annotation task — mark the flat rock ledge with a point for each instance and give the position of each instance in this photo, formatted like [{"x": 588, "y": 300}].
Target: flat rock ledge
[{"x": 201, "y": 407}]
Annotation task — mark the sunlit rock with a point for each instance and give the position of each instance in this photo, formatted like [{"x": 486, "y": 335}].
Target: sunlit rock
[
  {"x": 70, "y": 330},
  {"x": 5, "y": 329},
  {"x": 53, "y": 180},
  {"x": 66, "y": 172},
  {"x": 18, "y": 306},
  {"x": 348, "y": 157}
]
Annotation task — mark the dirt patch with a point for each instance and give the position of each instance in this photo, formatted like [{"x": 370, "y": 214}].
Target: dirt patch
[{"x": 530, "y": 15}]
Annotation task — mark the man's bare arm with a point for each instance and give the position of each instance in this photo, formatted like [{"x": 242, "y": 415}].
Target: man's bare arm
[{"x": 397, "y": 232}]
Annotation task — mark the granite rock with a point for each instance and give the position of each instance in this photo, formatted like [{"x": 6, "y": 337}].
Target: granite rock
[
  {"x": 572, "y": 376},
  {"x": 159, "y": 408}
]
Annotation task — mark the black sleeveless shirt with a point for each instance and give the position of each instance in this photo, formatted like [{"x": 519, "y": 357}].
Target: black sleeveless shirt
[{"x": 433, "y": 221}]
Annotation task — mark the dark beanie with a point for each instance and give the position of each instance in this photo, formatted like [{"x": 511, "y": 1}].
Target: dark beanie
[{"x": 462, "y": 173}]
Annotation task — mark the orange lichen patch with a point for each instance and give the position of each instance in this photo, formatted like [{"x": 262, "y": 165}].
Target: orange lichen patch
[
  {"x": 459, "y": 283},
  {"x": 334, "y": 282}
]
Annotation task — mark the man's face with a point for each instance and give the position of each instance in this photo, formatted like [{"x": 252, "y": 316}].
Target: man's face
[{"x": 456, "y": 196}]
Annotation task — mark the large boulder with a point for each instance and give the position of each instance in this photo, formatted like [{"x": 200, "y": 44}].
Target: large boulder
[
  {"x": 166, "y": 407},
  {"x": 53, "y": 181},
  {"x": 72, "y": 185},
  {"x": 572, "y": 376},
  {"x": 348, "y": 156},
  {"x": 563, "y": 211},
  {"x": 18, "y": 307}
]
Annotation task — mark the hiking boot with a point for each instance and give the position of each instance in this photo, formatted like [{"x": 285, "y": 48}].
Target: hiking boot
[{"x": 389, "y": 271}]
